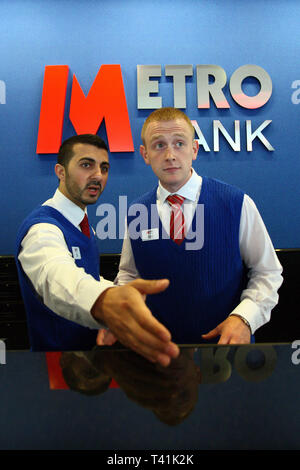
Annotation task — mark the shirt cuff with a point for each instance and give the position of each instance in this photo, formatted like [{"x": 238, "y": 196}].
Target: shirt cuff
[
  {"x": 94, "y": 289},
  {"x": 251, "y": 312}
]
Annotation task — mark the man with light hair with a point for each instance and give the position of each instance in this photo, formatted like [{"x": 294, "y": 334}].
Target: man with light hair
[{"x": 223, "y": 290}]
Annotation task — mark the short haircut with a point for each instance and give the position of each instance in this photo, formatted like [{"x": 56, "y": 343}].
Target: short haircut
[
  {"x": 65, "y": 152},
  {"x": 166, "y": 114}
]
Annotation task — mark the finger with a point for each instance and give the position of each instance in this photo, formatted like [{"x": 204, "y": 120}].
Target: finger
[
  {"x": 150, "y": 286},
  {"x": 100, "y": 337},
  {"x": 109, "y": 338},
  {"x": 224, "y": 339},
  {"x": 138, "y": 310},
  {"x": 136, "y": 334},
  {"x": 150, "y": 349},
  {"x": 211, "y": 334},
  {"x": 150, "y": 324}
]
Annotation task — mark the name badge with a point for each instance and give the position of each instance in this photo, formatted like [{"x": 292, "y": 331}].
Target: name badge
[
  {"x": 151, "y": 234},
  {"x": 76, "y": 252}
]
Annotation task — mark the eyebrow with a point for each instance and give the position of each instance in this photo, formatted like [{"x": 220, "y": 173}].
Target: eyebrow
[{"x": 161, "y": 136}]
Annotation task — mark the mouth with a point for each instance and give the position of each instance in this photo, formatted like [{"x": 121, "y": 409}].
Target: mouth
[
  {"x": 93, "y": 190},
  {"x": 171, "y": 169}
]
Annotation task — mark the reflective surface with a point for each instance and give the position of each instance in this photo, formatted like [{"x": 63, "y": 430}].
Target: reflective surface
[{"x": 221, "y": 397}]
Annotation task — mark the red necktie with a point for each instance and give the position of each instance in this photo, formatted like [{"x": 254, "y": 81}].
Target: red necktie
[
  {"x": 177, "y": 218},
  {"x": 84, "y": 225}
]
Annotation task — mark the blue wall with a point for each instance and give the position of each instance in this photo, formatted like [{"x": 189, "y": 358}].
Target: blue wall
[{"x": 84, "y": 34}]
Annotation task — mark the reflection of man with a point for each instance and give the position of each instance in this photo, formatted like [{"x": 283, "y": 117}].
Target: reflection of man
[
  {"x": 171, "y": 393},
  {"x": 58, "y": 265},
  {"x": 209, "y": 295}
]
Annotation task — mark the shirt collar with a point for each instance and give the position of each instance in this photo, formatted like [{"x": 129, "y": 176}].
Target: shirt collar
[
  {"x": 67, "y": 208},
  {"x": 190, "y": 190}
]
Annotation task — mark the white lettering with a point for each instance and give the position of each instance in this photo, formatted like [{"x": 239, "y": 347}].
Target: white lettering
[
  {"x": 118, "y": 460},
  {"x": 235, "y": 144},
  {"x": 205, "y": 89},
  {"x": 198, "y": 235},
  {"x": 257, "y": 134},
  {"x": 201, "y": 140},
  {"x": 296, "y": 95},
  {"x": 210, "y": 81},
  {"x": 145, "y": 86},
  {"x": 122, "y": 216},
  {"x": 179, "y": 72},
  {"x": 2, "y": 352},
  {"x": 235, "y": 85},
  {"x": 296, "y": 354},
  {"x": 138, "y": 223},
  {"x": 2, "y": 92},
  {"x": 106, "y": 228}
]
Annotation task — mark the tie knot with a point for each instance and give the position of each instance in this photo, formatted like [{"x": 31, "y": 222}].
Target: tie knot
[
  {"x": 84, "y": 225},
  {"x": 175, "y": 200}
]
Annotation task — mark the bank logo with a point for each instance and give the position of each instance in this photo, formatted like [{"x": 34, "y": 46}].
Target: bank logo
[
  {"x": 106, "y": 102},
  {"x": 2, "y": 92}
]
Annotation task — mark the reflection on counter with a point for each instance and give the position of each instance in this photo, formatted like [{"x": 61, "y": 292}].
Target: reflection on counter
[
  {"x": 170, "y": 392},
  {"x": 210, "y": 397}
]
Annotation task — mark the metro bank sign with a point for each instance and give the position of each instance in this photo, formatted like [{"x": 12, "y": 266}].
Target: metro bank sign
[{"x": 106, "y": 101}]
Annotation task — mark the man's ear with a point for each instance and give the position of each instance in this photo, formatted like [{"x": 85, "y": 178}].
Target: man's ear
[
  {"x": 144, "y": 154},
  {"x": 195, "y": 149},
  {"x": 60, "y": 171}
]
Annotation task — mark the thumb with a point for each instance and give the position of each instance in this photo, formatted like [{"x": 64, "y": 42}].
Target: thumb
[
  {"x": 211, "y": 334},
  {"x": 150, "y": 287},
  {"x": 109, "y": 338},
  {"x": 105, "y": 338}
]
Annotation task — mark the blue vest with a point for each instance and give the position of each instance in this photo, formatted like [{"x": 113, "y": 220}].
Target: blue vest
[
  {"x": 205, "y": 284},
  {"x": 47, "y": 330}
]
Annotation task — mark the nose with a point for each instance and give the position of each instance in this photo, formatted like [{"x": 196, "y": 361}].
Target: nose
[
  {"x": 98, "y": 174},
  {"x": 169, "y": 153}
]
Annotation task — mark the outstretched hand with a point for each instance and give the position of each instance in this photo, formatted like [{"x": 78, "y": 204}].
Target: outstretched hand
[{"x": 123, "y": 310}]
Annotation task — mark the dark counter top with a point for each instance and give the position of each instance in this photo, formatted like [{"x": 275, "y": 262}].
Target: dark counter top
[{"x": 210, "y": 398}]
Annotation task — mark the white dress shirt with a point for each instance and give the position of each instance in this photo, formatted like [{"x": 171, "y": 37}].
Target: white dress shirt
[
  {"x": 65, "y": 288},
  {"x": 257, "y": 251}
]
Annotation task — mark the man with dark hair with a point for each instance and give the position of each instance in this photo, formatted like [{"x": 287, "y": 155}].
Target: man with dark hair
[
  {"x": 65, "y": 152},
  {"x": 58, "y": 265}
]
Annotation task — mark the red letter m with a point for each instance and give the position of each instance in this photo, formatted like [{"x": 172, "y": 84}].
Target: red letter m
[{"x": 105, "y": 100}]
